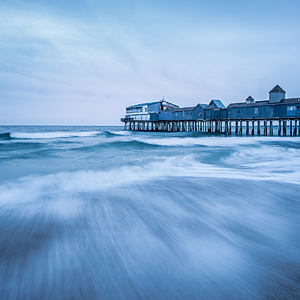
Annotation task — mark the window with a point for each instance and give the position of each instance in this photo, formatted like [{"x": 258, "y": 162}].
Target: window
[
  {"x": 256, "y": 110},
  {"x": 291, "y": 110}
]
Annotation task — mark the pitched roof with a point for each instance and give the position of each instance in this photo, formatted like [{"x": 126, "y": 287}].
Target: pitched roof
[
  {"x": 250, "y": 99},
  {"x": 202, "y": 105},
  {"x": 265, "y": 102},
  {"x": 277, "y": 89},
  {"x": 216, "y": 103}
]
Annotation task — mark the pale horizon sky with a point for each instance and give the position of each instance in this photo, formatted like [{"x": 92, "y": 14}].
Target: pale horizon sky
[{"x": 82, "y": 62}]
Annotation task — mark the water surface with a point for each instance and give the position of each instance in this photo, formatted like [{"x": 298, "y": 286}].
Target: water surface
[{"x": 102, "y": 213}]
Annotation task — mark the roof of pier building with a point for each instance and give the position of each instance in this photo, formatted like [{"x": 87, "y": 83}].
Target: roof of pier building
[
  {"x": 215, "y": 104},
  {"x": 189, "y": 108},
  {"x": 153, "y": 102},
  {"x": 277, "y": 89},
  {"x": 250, "y": 99},
  {"x": 265, "y": 102}
]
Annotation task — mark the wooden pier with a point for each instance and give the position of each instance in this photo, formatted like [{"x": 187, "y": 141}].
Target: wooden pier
[{"x": 265, "y": 127}]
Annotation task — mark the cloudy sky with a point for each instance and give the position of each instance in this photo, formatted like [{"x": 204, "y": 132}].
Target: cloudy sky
[{"x": 84, "y": 61}]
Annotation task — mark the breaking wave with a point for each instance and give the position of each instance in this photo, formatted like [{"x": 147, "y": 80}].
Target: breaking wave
[
  {"x": 5, "y": 136},
  {"x": 52, "y": 135},
  {"x": 32, "y": 187}
]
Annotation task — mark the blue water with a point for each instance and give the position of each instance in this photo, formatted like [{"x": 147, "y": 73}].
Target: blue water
[{"x": 99, "y": 213}]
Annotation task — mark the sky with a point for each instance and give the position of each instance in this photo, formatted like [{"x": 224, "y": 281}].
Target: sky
[{"x": 81, "y": 62}]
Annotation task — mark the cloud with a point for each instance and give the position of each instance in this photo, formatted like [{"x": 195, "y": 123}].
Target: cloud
[{"x": 73, "y": 69}]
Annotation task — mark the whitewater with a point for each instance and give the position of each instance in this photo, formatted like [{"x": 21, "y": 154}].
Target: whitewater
[{"x": 91, "y": 212}]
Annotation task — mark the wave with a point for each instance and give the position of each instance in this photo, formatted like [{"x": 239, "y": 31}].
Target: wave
[
  {"x": 113, "y": 140},
  {"x": 117, "y": 144},
  {"x": 108, "y": 133},
  {"x": 61, "y": 134},
  {"x": 5, "y": 136},
  {"x": 32, "y": 188},
  {"x": 52, "y": 134}
]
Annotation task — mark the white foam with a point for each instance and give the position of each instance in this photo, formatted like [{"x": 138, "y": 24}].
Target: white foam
[
  {"x": 197, "y": 141},
  {"x": 33, "y": 188},
  {"x": 53, "y": 134},
  {"x": 125, "y": 133}
]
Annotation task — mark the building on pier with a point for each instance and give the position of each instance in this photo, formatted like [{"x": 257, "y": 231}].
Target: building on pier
[
  {"x": 215, "y": 110},
  {"x": 143, "y": 111},
  {"x": 183, "y": 113},
  {"x": 215, "y": 117},
  {"x": 277, "y": 106}
]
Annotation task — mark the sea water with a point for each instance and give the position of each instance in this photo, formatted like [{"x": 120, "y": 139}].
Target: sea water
[{"x": 102, "y": 213}]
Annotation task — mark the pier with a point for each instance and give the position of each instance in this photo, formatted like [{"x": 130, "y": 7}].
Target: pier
[
  {"x": 278, "y": 116},
  {"x": 257, "y": 127}
]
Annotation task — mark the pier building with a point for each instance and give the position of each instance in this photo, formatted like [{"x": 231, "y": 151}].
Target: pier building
[
  {"x": 276, "y": 115},
  {"x": 142, "y": 111}
]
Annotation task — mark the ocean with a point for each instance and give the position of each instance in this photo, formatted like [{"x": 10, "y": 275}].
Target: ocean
[{"x": 102, "y": 213}]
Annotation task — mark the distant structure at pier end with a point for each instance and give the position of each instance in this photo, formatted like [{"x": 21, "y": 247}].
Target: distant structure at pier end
[{"x": 248, "y": 117}]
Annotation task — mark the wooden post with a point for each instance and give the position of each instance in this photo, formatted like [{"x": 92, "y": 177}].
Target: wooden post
[
  {"x": 258, "y": 127},
  {"x": 291, "y": 127},
  {"x": 284, "y": 127},
  {"x": 279, "y": 128},
  {"x": 265, "y": 128},
  {"x": 271, "y": 128},
  {"x": 253, "y": 127},
  {"x": 241, "y": 128},
  {"x": 229, "y": 127},
  {"x": 247, "y": 127},
  {"x": 236, "y": 127},
  {"x": 295, "y": 128}
]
